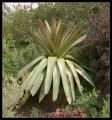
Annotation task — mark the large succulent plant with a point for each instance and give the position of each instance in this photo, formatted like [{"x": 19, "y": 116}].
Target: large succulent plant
[{"x": 56, "y": 64}]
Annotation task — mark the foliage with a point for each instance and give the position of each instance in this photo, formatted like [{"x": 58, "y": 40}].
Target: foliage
[
  {"x": 98, "y": 49},
  {"x": 9, "y": 66},
  {"x": 93, "y": 104},
  {"x": 35, "y": 112},
  {"x": 45, "y": 11},
  {"x": 105, "y": 112},
  {"x": 73, "y": 12},
  {"x": 11, "y": 63},
  {"x": 11, "y": 94},
  {"x": 88, "y": 102}
]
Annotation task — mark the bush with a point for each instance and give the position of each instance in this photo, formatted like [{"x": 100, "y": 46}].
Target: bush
[
  {"x": 9, "y": 67},
  {"x": 35, "y": 112},
  {"x": 88, "y": 102},
  {"x": 93, "y": 105},
  {"x": 105, "y": 112},
  {"x": 11, "y": 94}
]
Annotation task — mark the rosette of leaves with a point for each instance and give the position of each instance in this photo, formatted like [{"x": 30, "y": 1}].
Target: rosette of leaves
[{"x": 57, "y": 64}]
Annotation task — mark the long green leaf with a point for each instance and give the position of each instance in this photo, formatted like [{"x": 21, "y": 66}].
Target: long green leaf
[
  {"x": 53, "y": 29},
  {"x": 25, "y": 83},
  {"x": 37, "y": 84},
  {"x": 72, "y": 35},
  {"x": 78, "y": 48},
  {"x": 60, "y": 35},
  {"x": 35, "y": 38},
  {"x": 56, "y": 82},
  {"x": 27, "y": 67},
  {"x": 65, "y": 81},
  {"x": 58, "y": 27},
  {"x": 71, "y": 66},
  {"x": 69, "y": 42},
  {"x": 36, "y": 73},
  {"x": 46, "y": 34},
  {"x": 68, "y": 35},
  {"x": 69, "y": 57},
  {"x": 78, "y": 41},
  {"x": 42, "y": 92},
  {"x": 48, "y": 26},
  {"x": 49, "y": 74},
  {"x": 46, "y": 41},
  {"x": 70, "y": 77},
  {"x": 75, "y": 43},
  {"x": 84, "y": 74}
]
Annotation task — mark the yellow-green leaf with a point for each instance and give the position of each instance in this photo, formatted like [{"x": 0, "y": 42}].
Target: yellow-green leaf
[
  {"x": 37, "y": 84},
  {"x": 49, "y": 74},
  {"x": 36, "y": 73},
  {"x": 70, "y": 77},
  {"x": 27, "y": 67},
  {"x": 71, "y": 66},
  {"x": 56, "y": 82},
  {"x": 65, "y": 81}
]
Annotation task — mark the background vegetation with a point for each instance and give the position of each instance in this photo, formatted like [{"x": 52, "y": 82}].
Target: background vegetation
[{"x": 18, "y": 51}]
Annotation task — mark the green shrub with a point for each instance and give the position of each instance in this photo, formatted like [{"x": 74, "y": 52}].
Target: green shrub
[
  {"x": 88, "y": 102},
  {"x": 10, "y": 96},
  {"x": 9, "y": 67},
  {"x": 93, "y": 104},
  {"x": 105, "y": 112},
  {"x": 36, "y": 112}
]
